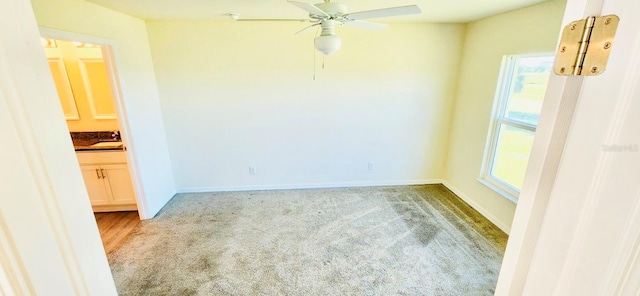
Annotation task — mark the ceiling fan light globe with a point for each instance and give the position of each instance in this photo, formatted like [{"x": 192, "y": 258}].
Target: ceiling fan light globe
[{"x": 328, "y": 44}]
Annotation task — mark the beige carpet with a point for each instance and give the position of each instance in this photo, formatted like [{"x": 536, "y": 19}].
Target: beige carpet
[{"x": 406, "y": 240}]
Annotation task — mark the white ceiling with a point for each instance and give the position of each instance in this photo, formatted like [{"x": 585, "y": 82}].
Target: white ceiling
[{"x": 432, "y": 10}]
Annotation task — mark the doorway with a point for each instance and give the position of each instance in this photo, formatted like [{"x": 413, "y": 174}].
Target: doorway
[{"x": 86, "y": 94}]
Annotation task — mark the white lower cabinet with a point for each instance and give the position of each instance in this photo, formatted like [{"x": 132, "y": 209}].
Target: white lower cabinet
[
  {"x": 106, "y": 176},
  {"x": 96, "y": 186}
]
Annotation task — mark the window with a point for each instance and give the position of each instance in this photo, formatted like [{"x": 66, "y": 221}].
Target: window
[{"x": 519, "y": 96}]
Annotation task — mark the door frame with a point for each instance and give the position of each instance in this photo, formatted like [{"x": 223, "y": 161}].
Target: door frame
[{"x": 109, "y": 55}]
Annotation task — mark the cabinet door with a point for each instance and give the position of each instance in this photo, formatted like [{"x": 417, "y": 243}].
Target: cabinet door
[
  {"x": 60, "y": 78},
  {"x": 119, "y": 183},
  {"x": 95, "y": 186},
  {"x": 96, "y": 84}
]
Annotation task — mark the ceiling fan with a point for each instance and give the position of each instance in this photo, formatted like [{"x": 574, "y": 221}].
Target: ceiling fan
[{"x": 328, "y": 15}]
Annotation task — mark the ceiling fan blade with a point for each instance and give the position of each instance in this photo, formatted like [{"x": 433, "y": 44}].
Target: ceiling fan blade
[
  {"x": 306, "y": 28},
  {"x": 365, "y": 25},
  {"x": 273, "y": 20},
  {"x": 385, "y": 12},
  {"x": 310, "y": 8}
]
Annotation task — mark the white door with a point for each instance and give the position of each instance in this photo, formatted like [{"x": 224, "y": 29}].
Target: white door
[
  {"x": 49, "y": 241},
  {"x": 577, "y": 225}
]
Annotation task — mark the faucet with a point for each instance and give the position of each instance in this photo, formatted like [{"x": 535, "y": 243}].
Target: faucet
[{"x": 116, "y": 136}]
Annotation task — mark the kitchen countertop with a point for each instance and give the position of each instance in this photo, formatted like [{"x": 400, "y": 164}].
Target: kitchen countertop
[
  {"x": 97, "y": 141},
  {"x": 90, "y": 145}
]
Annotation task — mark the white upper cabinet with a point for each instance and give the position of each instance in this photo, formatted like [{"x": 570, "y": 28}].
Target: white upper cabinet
[{"x": 80, "y": 76}]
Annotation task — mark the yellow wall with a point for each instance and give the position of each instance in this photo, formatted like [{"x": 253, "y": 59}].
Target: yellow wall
[
  {"x": 239, "y": 94},
  {"x": 530, "y": 30}
]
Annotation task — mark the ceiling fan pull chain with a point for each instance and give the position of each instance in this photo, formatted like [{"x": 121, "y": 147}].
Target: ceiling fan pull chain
[{"x": 314, "y": 63}]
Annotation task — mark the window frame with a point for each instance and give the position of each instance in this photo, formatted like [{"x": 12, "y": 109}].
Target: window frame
[{"x": 498, "y": 118}]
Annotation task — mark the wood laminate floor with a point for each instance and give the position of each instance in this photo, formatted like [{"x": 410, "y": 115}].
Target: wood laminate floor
[{"x": 115, "y": 227}]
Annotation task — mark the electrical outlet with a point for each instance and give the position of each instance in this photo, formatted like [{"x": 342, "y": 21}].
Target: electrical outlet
[
  {"x": 370, "y": 166},
  {"x": 252, "y": 170}
]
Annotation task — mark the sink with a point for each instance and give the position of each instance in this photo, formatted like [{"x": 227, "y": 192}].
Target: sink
[{"x": 107, "y": 145}]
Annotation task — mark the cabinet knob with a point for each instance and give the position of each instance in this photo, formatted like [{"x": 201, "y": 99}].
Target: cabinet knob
[
  {"x": 102, "y": 173},
  {"x": 98, "y": 173}
]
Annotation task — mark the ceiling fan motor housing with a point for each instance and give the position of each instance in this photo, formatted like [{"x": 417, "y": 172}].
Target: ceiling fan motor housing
[
  {"x": 333, "y": 9},
  {"x": 328, "y": 28}
]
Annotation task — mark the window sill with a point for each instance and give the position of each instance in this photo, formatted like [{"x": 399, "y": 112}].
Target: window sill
[{"x": 499, "y": 190}]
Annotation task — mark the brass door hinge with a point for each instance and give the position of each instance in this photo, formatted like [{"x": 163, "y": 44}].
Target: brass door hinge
[{"x": 585, "y": 46}]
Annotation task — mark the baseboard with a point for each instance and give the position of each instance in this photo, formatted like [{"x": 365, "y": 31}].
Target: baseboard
[
  {"x": 477, "y": 207},
  {"x": 310, "y": 186},
  {"x": 114, "y": 208}
]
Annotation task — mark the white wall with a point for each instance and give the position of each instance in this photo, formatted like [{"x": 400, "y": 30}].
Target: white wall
[
  {"x": 530, "y": 30},
  {"x": 236, "y": 95},
  {"x": 137, "y": 81}
]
